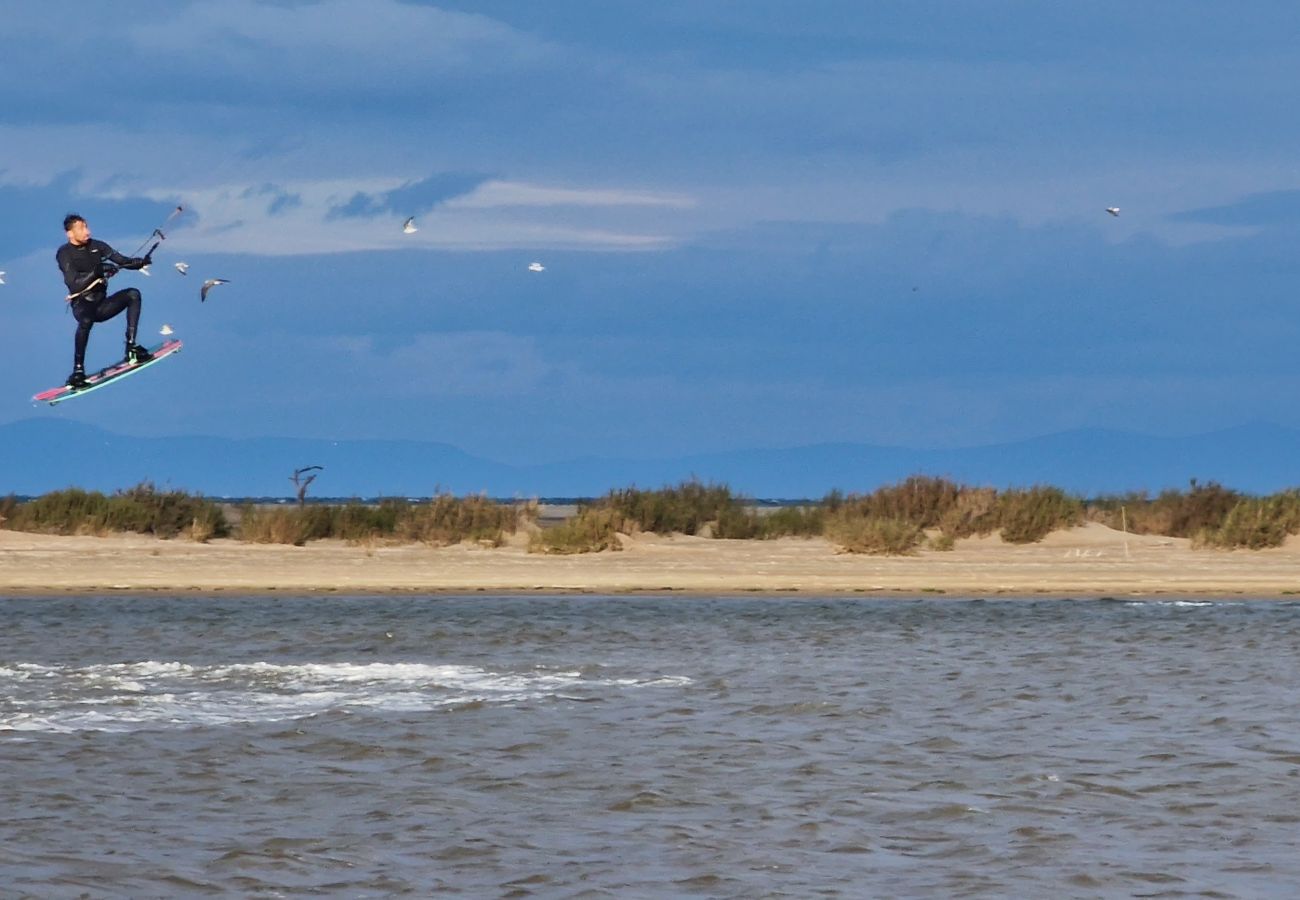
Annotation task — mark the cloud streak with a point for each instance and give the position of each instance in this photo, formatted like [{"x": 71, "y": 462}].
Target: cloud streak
[
  {"x": 497, "y": 194},
  {"x": 348, "y": 216}
]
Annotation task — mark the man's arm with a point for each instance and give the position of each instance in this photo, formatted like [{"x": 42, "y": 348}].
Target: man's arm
[{"x": 125, "y": 262}]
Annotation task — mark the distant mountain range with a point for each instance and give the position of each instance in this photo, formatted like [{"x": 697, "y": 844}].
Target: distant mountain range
[{"x": 40, "y": 455}]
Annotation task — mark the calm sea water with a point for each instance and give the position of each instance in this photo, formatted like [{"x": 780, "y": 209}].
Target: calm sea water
[{"x": 648, "y": 747}]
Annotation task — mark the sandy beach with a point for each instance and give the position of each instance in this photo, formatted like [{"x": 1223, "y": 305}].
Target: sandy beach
[{"x": 1088, "y": 561}]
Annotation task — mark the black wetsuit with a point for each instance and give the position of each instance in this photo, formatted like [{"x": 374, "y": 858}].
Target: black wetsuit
[{"x": 81, "y": 266}]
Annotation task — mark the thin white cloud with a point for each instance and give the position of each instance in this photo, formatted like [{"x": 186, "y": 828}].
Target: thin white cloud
[
  {"x": 514, "y": 193},
  {"x": 235, "y": 219}
]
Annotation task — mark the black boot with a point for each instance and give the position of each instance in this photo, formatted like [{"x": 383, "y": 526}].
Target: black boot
[
  {"x": 77, "y": 380},
  {"x": 136, "y": 354}
]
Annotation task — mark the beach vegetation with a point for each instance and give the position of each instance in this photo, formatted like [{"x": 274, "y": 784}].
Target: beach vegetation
[
  {"x": 974, "y": 512},
  {"x": 446, "y": 519},
  {"x": 1255, "y": 523},
  {"x": 881, "y": 535},
  {"x": 442, "y": 520},
  {"x": 274, "y": 525},
  {"x": 920, "y": 511},
  {"x": 686, "y": 508},
  {"x": 942, "y": 541},
  {"x": 805, "y": 520},
  {"x": 593, "y": 529},
  {"x": 1025, "y": 516},
  {"x": 874, "y": 523},
  {"x": 143, "y": 509},
  {"x": 691, "y": 507},
  {"x": 921, "y": 500},
  {"x": 1172, "y": 513}
]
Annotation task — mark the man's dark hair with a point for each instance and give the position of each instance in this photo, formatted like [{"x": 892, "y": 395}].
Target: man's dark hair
[{"x": 70, "y": 219}]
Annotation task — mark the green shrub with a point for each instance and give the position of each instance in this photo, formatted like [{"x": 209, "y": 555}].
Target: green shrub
[
  {"x": 593, "y": 529},
  {"x": 142, "y": 509},
  {"x": 856, "y": 533},
  {"x": 943, "y": 541},
  {"x": 1026, "y": 516},
  {"x": 274, "y": 525},
  {"x": 974, "y": 512},
  {"x": 1202, "y": 508},
  {"x": 449, "y": 520},
  {"x": 689, "y": 508},
  {"x": 919, "y": 499},
  {"x": 793, "y": 521},
  {"x": 1256, "y": 523},
  {"x": 684, "y": 509},
  {"x": 356, "y": 521},
  {"x": 443, "y": 520}
]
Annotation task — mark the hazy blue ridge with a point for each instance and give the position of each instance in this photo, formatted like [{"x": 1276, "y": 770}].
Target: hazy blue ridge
[{"x": 41, "y": 455}]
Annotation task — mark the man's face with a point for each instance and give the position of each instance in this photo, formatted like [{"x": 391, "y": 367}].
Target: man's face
[{"x": 79, "y": 233}]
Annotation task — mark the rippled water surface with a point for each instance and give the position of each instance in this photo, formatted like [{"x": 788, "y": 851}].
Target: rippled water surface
[{"x": 648, "y": 747}]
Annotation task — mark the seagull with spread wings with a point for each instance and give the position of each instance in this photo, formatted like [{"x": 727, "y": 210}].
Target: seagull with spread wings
[{"x": 209, "y": 285}]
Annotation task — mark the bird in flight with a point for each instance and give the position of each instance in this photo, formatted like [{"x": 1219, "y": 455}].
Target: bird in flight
[
  {"x": 2, "y": 277},
  {"x": 409, "y": 227},
  {"x": 165, "y": 330},
  {"x": 209, "y": 285},
  {"x": 182, "y": 267},
  {"x": 536, "y": 267},
  {"x": 1113, "y": 210}
]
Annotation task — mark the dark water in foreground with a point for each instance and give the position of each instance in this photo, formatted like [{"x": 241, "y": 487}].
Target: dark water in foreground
[{"x": 648, "y": 747}]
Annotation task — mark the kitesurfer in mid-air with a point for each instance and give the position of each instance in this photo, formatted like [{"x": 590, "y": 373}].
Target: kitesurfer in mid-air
[{"x": 83, "y": 263}]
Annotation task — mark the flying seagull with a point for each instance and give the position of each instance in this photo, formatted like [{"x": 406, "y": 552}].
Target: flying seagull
[
  {"x": 536, "y": 267},
  {"x": 408, "y": 227},
  {"x": 182, "y": 267},
  {"x": 2, "y": 277},
  {"x": 209, "y": 285},
  {"x": 1113, "y": 210},
  {"x": 165, "y": 330}
]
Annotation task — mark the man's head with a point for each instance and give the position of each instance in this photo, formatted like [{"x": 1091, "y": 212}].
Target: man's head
[{"x": 77, "y": 229}]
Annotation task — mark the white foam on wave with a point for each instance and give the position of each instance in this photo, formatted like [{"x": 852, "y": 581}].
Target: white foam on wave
[
  {"x": 169, "y": 694},
  {"x": 1179, "y": 603}
]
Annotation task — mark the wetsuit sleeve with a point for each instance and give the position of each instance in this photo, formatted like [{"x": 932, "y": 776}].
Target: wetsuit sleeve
[
  {"x": 75, "y": 278},
  {"x": 126, "y": 262}
]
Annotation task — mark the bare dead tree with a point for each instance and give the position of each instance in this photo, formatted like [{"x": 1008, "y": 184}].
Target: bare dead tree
[{"x": 301, "y": 483}]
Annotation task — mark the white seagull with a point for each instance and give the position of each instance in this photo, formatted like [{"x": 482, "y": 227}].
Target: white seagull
[
  {"x": 183, "y": 267},
  {"x": 408, "y": 227},
  {"x": 209, "y": 285},
  {"x": 536, "y": 267},
  {"x": 165, "y": 330},
  {"x": 2, "y": 277},
  {"x": 1113, "y": 210}
]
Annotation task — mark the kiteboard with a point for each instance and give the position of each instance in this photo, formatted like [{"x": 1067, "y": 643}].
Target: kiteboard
[{"x": 106, "y": 376}]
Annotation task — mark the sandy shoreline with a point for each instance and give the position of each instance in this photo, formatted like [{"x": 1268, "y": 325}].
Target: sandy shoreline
[{"x": 1089, "y": 561}]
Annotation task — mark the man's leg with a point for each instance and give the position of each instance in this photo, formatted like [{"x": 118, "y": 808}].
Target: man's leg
[
  {"x": 130, "y": 300},
  {"x": 79, "y": 344},
  {"x": 84, "y": 313}
]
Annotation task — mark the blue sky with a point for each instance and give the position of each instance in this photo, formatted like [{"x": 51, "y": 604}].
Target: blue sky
[{"x": 763, "y": 223}]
